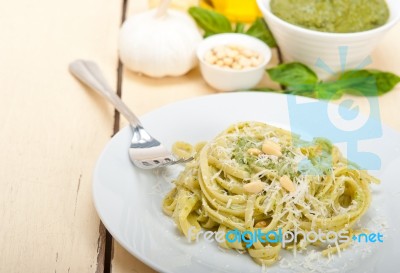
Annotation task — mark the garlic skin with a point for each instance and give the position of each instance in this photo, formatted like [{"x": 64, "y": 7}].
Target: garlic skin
[{"x": 159, "y": 46}]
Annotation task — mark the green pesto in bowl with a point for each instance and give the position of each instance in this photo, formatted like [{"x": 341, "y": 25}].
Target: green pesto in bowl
[{"x": 338, "y": 16}]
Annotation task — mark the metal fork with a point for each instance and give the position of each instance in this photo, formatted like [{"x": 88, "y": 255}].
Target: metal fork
[{"x": 145, "y": 151}]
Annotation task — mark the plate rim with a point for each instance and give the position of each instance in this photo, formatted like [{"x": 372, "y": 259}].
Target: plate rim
[{"x": 149, "y": 262}]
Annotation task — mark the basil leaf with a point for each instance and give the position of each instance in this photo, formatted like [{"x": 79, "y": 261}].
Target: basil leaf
[
  {"x": 328, "y": 90},
  {"x": 298, "y": 79},
  {"x": 239, "y": 28},
  {"x": 305, "y": 93},
  {"x": 213, "y": 22},
  {"x": 295, "y": 76},
  {"x": 260, "y": 30},
  {"x": 210, "y": 21},
  {"x": 267, "y": 89},
  {"x": 368, "y": 82}
]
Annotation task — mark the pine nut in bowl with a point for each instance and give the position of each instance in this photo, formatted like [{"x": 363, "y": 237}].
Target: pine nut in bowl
[{"x": 232, "y": 61}]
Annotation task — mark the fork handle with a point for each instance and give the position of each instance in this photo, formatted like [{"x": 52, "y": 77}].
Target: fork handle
[{"x": 89, "y": 73}]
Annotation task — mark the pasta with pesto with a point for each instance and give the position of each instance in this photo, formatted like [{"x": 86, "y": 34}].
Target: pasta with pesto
[{"x": 256, "y": 176}]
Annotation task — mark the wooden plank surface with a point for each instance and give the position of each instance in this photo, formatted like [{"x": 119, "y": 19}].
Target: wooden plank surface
[
  {"x": 386, "y": 57},
  {"x": 52, "y": 131}
]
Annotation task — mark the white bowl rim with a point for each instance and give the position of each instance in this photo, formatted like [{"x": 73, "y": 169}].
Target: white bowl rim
[
  {"x": 389, "y": 24},
  {"x": 265, "y": 62}
]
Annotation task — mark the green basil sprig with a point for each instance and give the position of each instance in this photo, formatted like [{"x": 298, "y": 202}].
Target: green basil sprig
[
  {"x": 299, "y": 79},
  {"x": 369, "y": 82},
  {"x": 213, "y": 22}
]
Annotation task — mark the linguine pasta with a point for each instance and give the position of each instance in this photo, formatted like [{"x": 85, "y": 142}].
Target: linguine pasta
[{"x": 255, "y": 176}]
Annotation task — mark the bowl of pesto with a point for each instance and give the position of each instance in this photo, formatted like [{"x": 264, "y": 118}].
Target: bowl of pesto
[{"x": 329, "y": 35}]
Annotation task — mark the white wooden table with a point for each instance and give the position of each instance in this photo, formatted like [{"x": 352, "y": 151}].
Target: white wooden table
[{"x": 52, "y": 129}]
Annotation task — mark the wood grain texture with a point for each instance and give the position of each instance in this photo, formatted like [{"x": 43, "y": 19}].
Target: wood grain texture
[
  {"x": 386, "y": 57},
  {"x": 52, "y": 130},
  {"x": 124, "y": 262}
]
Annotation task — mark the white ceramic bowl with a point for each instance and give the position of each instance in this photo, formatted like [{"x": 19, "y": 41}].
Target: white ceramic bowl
[
  {"x": 225, "y": 79},
  {"x": 314, "y": 48}
]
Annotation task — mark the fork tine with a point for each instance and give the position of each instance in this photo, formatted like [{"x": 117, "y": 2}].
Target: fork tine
[
  {"x": 169, "y": 163},
  {"x": 179, "y": 161},
  {"x": 185, "y": 160}
]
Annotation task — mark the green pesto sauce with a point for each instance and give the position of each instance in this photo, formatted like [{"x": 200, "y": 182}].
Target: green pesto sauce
[{"x": 340, "y": 16}]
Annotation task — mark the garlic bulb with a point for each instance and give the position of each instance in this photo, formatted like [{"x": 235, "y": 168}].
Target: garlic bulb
[{"x": 159, "y": 43}]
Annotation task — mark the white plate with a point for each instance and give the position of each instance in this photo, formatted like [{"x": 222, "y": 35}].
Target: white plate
[{"x": 128, "y": 200}]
